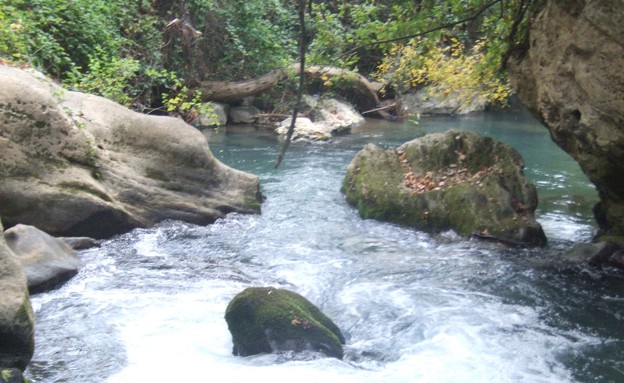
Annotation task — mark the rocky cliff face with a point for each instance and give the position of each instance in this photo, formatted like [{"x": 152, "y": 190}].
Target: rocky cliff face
[
  {"x": 80, "y": 165},
  {"x": 571, "y": 78}
]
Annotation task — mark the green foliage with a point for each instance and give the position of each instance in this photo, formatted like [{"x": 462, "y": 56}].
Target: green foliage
[
  {"x": 13, "y": 46},
  {"x": 448, "y": 69},
  {"x": 108, "y": 76},
  {"x": 460, "y": 44},
  {"x": 131, "y": 50},
  {"x": 58, "y": 35},
  {"x": 240, "y": 38}
]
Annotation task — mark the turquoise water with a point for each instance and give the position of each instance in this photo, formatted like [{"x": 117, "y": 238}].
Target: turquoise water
[{"x": 149, "y": 305}]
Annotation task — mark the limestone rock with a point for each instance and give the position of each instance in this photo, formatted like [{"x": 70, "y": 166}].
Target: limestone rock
[
  {"x": 447, "y": 181},
  {"x": 425, "y": 102},
  {"x": 305, "y": 129},
  {"x": 47, "y": 261},
  {"x": 266, "y": 319},
  {"x": 571, "y": 78},
  {"x": 334, "y": 111},
  {"x": 245, "y": 114},
  {"x": 17, "y": 322},
  {"x": 81, "y": 243},
  {"x": 74, "y": 164},
  {"x": 328, "y": 118},
  {"x": 211, "y": 114}
]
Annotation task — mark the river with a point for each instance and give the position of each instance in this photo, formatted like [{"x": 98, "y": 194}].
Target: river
[{"x": 148, "y": 306}]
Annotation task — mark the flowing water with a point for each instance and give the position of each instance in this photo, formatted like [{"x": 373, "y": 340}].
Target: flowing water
[{"x": 148, "y": 306}]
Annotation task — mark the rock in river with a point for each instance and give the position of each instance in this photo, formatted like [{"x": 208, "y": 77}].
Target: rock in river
[
  {"x": 47, "y": 261},
  {"x": 73, "y": 164},
  {"x": 17, "y": 322},
  {"x": 266, "y": 319},
  {"x": 457, "y": 181}
]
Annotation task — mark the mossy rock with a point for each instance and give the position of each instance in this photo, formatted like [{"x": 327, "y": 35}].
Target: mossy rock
[
  {"x": 266, "y": 319},
  {"x": 457, "y": 181},
  {"x": 12, "y": 375}
]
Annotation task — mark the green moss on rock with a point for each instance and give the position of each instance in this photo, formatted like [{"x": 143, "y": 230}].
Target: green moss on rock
[
  {"x": 447, "y": 181},
  {"x": 266, "y": 319}
]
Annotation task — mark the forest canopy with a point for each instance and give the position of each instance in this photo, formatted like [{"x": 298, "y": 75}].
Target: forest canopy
[{"x": 150, "y": 54}]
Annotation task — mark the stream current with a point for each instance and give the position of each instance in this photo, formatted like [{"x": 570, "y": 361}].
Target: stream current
[{"x": 148, "y": 306}]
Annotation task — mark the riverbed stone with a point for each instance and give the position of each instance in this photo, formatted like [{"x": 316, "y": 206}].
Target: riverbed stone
[
  {"x": 427, "y": 102},
  {"x": 81, "y": 243},
  {"x": 327, "y": 118},
  {"x": 17, "y": 321},
  {"x": 569, "y": 74},
  {"x": 211, "y": 114},
  {"x": 267, "y": 319},
  {"x": 73, "y": 164},
  {"x": 47, "y": 261},
  {"x": 244, "y": 114},
  {"x": 456, "y": 180}
]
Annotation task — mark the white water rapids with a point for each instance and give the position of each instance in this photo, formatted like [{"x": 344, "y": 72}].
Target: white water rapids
[{"x": 148, "y": 306}]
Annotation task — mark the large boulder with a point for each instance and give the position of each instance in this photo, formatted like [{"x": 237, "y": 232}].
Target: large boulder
[
  {"x": 17, "y": 323},
  {"x": 74, "y": 164},
  {"x": 471, "y": 184},
  {"x": 571, "y": 78},
  {"x": 266, "y": 319},
  {"x": 47, "y": 261}
]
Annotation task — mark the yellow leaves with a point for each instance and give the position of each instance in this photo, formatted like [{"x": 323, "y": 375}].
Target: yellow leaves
[
  {"x": 442, "y": 178},
  {"x": 449, "y": 69},
  {"x": 304, "y": 323}
]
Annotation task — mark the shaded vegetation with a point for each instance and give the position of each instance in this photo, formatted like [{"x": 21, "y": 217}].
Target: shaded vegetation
[{"x": 150, "y": 55}]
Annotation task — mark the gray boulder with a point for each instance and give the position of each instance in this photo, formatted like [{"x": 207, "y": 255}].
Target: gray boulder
[
  {"x": 457, "y": 181},
  {"x": 211, "y": 114},
  {"x": 17, "y": 322},
  {"x": 424, "y": 101},
  {"x": 266, "y": 319},
  {"x": 244, "y": 114},
  {"x": 327, "y": 118},
  {"x": 47, "y": 261},
  {"x": 74, "y": 164}
]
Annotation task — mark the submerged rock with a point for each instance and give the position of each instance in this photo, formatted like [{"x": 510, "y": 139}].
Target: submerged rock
[
  {"x": 447, "y": 181},
  {"x": 17, "y": 321},
  {"x": 266, "y": 319},
  {"x": 74, "y": 164},
  {"x": 47, "y": 261}
]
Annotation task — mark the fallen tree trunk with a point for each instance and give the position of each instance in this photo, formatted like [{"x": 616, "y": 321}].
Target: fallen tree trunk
[
  {"x": 353, "y": 86},
  {"x": 237, "y": 90}
]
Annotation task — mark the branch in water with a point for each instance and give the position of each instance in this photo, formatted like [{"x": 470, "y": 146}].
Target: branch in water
[{"x": 302, "y": 57}]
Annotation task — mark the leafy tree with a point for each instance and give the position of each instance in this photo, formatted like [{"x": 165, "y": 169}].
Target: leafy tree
[{"x": 451, "y": 44}]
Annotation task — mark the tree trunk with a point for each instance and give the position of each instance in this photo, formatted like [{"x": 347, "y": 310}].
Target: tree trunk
[{"x": 355, "y": 87}]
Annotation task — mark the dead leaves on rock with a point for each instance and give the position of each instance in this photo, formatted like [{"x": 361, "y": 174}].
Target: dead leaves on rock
[{"x": 451, "y": 175}]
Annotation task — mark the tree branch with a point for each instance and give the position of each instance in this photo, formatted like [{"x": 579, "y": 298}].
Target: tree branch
[
  {"x": 302, "y": 59},
  {"x": 445, "y": 26}
]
